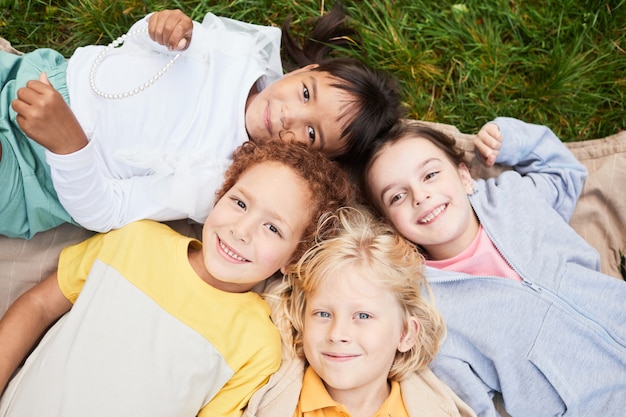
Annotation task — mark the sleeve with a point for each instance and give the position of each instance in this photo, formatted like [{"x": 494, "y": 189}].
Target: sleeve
[
  {"x": 75, "y": 262},
  {"x": 263, "y": 361},
  {"x": 228, "y": 36},
  {"x": 460, "y": 377},
  {"x": 100, "y": 203},
  {"x": 542, "y": 159},
  {"x": 231, "y": 36}
]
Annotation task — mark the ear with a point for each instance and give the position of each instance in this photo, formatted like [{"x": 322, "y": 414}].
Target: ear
[
  {"x": 303, "y": 69},
  {"x": 466, "y": 178},
  {"x": 407, "y": 339}
]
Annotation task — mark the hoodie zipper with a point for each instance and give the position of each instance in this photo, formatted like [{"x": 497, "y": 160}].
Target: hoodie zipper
[{"x": 580, "y": 316}]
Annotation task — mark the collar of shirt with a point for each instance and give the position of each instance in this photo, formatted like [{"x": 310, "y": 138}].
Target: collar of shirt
[{"x": 316, "y": 402}]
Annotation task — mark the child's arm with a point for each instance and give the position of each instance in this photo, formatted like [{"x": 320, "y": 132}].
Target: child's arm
[
  {"x": 463, "y": 381},
  {"x": 45, "y": 117},
  {"x": 26, "y": 320},
  {"x": 539, "y": 156},
  {"x": 171, "y": 28}
]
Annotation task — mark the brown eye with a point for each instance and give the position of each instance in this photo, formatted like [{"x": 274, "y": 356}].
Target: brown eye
[
  {"x": 311, "y": 135},
  {"x": 305, "y": 93}
]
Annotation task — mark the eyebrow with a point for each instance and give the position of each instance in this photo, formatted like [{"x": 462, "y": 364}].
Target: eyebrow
[{"x": 321, "y": 132}]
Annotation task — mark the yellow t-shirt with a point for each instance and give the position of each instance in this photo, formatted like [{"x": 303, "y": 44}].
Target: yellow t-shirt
[
  {"x": 316, "y": 402},
  {"x": 146, "y": 336}
]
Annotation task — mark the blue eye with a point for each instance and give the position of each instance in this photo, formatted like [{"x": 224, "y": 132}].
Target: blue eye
[
  {"x": 363, "y": 316},
  {"x": 323, "y": 314}
]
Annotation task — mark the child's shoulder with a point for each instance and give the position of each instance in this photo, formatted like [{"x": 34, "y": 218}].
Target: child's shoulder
[
  {"x": 147, "y": 227},
  {"x": 141, "y": 234},
  {"x": 424, "y": 393}
]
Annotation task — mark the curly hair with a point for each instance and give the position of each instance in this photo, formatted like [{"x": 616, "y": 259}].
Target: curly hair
[
  {"x": 354, "y": 238},
  {"x": 329, "y": 185}
]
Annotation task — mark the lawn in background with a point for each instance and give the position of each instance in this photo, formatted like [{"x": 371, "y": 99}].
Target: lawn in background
[{"x": 561, "y": 63}]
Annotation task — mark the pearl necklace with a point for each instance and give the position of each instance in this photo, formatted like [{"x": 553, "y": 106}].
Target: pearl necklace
[{"x": 136, "y": 90}]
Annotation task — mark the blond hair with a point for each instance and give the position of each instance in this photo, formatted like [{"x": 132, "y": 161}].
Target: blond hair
[{"x": 352, "y": 237}]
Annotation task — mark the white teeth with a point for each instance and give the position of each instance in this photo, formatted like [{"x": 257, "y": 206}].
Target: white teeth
[
  {"x": 231, "y": 253},
  {"x": 436, "y": 212}
]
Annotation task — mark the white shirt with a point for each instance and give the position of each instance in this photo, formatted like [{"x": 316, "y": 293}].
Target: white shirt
[{"x": 161, "y": 154}]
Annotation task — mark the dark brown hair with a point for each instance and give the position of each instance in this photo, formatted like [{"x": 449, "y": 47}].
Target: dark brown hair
[{"x": 375, "y": 105}]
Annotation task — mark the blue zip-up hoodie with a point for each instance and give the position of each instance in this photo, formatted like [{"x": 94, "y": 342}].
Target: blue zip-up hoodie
[{"x": 555, "y": 343}]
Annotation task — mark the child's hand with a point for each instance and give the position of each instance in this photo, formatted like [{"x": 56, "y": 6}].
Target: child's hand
[
  {"x": 488, "y": 142},
  {"x": 45, "y": 117},
  {"x": 171, "y": 28}
]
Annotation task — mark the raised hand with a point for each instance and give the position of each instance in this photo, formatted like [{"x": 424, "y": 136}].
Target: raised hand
[
  {"x": 45, "y": 117},
  {"x": 488, "y": 142},
  {"x": 171, "y": 28}
]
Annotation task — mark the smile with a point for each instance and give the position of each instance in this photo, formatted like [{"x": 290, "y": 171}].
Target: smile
[
  {"x": 432, "y": 215},
  {"x": 227, "y": 251},
  {"x": 339, "y": 357},
  {"x": 266, "y": 117}
]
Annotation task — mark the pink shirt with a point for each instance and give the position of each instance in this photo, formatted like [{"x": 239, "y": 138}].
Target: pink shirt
[{"x": 479, "y": 258}]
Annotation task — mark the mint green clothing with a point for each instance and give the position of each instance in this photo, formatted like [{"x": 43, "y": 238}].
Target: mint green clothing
[{"x": 28, "y": 201}]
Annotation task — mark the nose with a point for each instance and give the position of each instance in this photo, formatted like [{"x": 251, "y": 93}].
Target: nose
[
  {"x": 241, "y": 229},
  {"x": 290, "y": 118},
  {"x": 419, "y": 195},
  {"x": 338, "y": 331}
]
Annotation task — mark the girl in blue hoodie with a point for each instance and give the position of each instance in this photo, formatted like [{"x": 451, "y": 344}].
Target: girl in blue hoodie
[{"x": 528, "y": 313}]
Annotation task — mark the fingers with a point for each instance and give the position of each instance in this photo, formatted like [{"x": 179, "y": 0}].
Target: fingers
[
  {"x": 488, "y": 142},
  {"x": 34, "y": 92},
  {"x": 171, "y": 28},
  {"x": 484, "y": 153},
  {"x": 44, "y": 78},
  {"x": 34, "y": 99},
  {"x": 45, "y": 117},
  {"x": 182, "y": 44}
]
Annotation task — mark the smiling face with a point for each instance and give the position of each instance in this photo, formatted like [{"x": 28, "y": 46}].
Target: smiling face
[
  {"x": 424, "y": 195},
  {"x": 301, "y": 107},
  {"x": 254, "y": 229},
  {"x": 352, "y": 330}
]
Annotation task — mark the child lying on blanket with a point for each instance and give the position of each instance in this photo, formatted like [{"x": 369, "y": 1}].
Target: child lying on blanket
[
  {"x": 528, "y": 313},
  {"x": 158, "y": 323},
  {"x": 146, "y": 130},
  {"x": 353, "y": 313}
]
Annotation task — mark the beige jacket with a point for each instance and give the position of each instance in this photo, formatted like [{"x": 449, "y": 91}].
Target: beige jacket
[{"x": 423, "y": 393}]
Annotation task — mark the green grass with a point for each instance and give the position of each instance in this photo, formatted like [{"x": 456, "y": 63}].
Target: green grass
[{"x": 561, "y": 63}]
